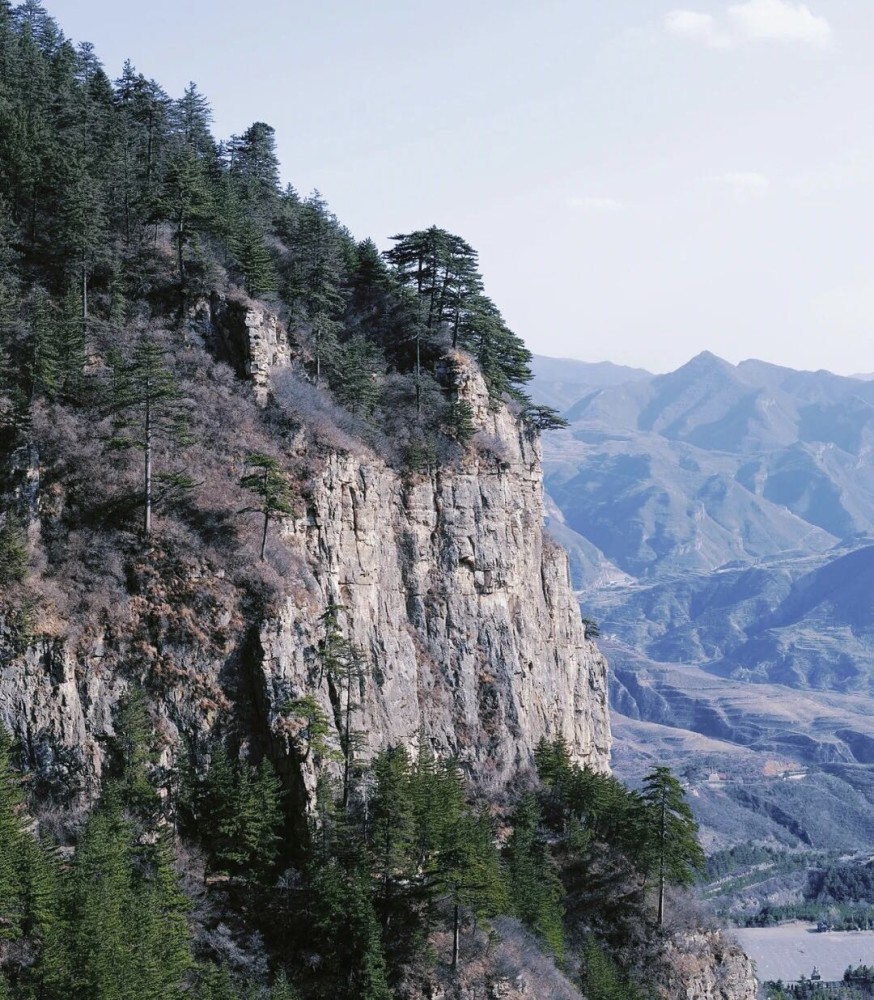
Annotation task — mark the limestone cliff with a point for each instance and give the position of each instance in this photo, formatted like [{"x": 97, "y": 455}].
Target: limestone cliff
[{"x": 462, "y": 605}]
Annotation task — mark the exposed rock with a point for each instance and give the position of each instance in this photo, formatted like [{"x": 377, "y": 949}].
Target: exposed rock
[
  {"x": 705, "y": 965},
  {"x": 462, "y": 605},
  {"x": 464, "y": 610},
  {"x": 246, "y": 335}
]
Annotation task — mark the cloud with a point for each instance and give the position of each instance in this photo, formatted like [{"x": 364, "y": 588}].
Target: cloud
[
  {"x": 787, "y": 21},
  {"x": 594, "y": 204},
  {"x": 780, "y": 21},
  {"x": 696, "y": 27},
  {"x": 745, "y": 185}
]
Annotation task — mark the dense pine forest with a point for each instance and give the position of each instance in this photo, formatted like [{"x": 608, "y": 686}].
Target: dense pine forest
[{"x": 211, "y": 875}]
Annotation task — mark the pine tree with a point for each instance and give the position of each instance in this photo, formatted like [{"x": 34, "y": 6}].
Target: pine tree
[
  {"x": 254, "y": 167},
  {"x": 672, "y": 848},
  {"x": 270, "y": 484},
  {"x": 148, "y": 407},
  {"x": 392, "y": 824},
  {"x": 254, "y": 260},
  {"x": 163, "y": 943},
  {"x": 344, "y": 928},
  {"x": 355, "y": 373},
  {"x": 313, "y": 286},
  {"x": 103, "y": 929},
  {"x": 216, "y": 984},
  {"x": 468, "y": 869},
  {"x": 134, "y": 757},
  {"x": 282, "y": 989},
  {"x": 14, "y": 554},
  {"x": 535, "y": 888},
  {"x": 345, "y": 667},
  {"x": 12, "y": 845},
  {"x": 186, "y": 201}
]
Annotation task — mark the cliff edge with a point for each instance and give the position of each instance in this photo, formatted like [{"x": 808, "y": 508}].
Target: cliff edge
[{"x": 444, "y": 578}]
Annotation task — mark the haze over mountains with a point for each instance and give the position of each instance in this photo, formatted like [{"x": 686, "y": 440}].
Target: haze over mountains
[{"x": 719, "y": 520}]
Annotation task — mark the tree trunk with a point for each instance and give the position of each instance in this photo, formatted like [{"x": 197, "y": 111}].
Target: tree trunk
[
  {"x": 455, "y": 933},
  {"x": 147, "y": 519},
  {"x": 347, "y": 748},
  {"x": 84, "y": 298},
  {"x": 662, "y": 849},
  {"x": 418, "y": 375},
  {"x": 180, "y": 243},
  {"x": 264, "y": 533}
]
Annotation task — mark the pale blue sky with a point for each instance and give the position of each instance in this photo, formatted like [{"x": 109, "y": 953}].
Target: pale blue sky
[{"x": 644, "y": 180}]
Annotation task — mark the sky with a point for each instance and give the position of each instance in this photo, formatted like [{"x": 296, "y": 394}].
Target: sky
[{"x": 643, "y": 179}]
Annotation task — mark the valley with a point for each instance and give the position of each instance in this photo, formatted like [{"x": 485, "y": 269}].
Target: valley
[{"x": 733, "y": 592}]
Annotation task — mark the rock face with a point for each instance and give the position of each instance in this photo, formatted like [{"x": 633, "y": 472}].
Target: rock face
[
  {"x": 705, "y": 965},
  {"x": 463, "y": 608},
  {"x": 245, "y": 334},
  {"x": 462, "y": 605}
]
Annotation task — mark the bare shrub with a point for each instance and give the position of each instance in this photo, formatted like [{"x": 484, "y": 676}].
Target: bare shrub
[
  {"x": 328, "y": 423},
  {"x": 492, "y": 447}
]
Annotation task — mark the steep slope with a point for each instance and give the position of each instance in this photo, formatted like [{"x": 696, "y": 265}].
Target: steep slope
[{"x": 471, "y": 632}]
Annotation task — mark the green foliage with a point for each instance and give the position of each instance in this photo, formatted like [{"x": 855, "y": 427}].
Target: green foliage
[
  {"x": 345, "y": 668},
  {"x": 346, "y": 932},
  {"x": 254, "y": 260},
  {"x": 532, "y": 877},
  {"x": 355, "y": 372},
  {"x": 14, "y": 555},
  {"x": 310, "y": 729},
  {"x": 148, "y": 409},
  {"x": 600, "y": 978},
  {"x": 128, "y": 936},
  {"x": 12, "y": 846},
  {"x": 672, "y": 852},
  {"x": 239, "y": 816},
  {"x": 459, "y": 421},
  {"x": 269, "y": 483},
  {"x": 134, "y": 756}
]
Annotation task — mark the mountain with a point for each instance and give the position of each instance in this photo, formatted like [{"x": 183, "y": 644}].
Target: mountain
[
  {"x": 295, "y": 694},
  {"x": 561, "y": 381},
  {"x": 720, "y": 521}
]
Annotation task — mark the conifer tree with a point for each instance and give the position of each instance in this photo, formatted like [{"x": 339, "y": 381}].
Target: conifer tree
[
  {"x": 468, "y": 870},
  {"x": 14, "y": 555},
  {"x": 313, "y": 288},
  {"x": 354, "y": 382},
  {"x": 103, "y": 931},
  {"x": 134, "y": 757},
  {"x": 344, "y": 928},
  {"x": 270, "y": 484},
  {"x": 163, "y": 942},
  {"x": 12, "y": 845},
  {"x": 535, "y": 888},
  {"x": 392, "y": 824},
  {"x": 672, "y": 848},
  {"x": 282, "y": 989},
  {"x": 254, "y": 259},
  {"x": 148, "y": 407},
  {"x": 186, "y": 201},
  {"x": 345, "y": 667}
]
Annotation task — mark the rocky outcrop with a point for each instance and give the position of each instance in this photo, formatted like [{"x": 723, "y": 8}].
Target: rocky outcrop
[
  {"x": 244, "y": 333},
  {"x": 705, "y": 965},
  {"x": 463, "y": 606},
  {"x": 471, "y": 635}
]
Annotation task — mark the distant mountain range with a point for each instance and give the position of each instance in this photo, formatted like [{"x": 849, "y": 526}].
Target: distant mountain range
[{"x": 720, "y": 523}]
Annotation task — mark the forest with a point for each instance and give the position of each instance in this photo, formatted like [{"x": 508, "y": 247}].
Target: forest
[{"x": 209, "y": 876}]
